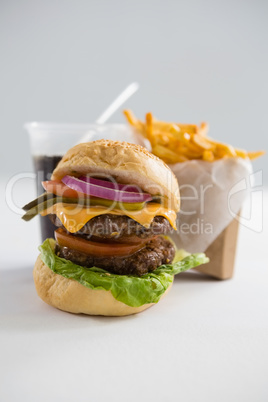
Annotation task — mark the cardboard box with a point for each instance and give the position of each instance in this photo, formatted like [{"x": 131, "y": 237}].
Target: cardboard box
[{"x": 222, "y": 253}]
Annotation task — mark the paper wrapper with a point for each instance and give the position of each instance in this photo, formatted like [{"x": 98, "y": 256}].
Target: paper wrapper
[{"x": 212, "y": 194}]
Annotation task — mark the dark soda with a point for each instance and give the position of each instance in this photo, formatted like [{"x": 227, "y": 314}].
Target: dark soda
[{"x": 44, "y": 166}]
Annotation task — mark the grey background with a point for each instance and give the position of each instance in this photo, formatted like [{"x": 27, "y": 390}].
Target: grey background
[{"x": 196, "y": 60}]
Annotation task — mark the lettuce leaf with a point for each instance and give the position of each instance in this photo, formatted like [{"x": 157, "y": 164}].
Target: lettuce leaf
[{"x": 131, "y": 290}]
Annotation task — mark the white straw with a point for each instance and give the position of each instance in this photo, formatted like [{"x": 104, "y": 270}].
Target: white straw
[{"x": 122, "y": 98}]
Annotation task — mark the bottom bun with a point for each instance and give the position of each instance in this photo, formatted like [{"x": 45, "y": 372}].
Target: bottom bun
[{"x": 69, "y": 295}]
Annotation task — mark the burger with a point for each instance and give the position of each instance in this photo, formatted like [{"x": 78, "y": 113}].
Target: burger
[{"x": 113, "y": 205}]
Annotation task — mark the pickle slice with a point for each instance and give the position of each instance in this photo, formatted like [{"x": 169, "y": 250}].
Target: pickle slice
[
  {"x": 42, "y": 198},
  {"x": 41, "y": 203},
  {"x": 129, "y": 206}
]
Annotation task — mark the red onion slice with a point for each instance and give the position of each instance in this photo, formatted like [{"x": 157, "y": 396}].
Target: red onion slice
[
  {"x": 110, "y": 184},
  {"x": 105, "y": 192}
]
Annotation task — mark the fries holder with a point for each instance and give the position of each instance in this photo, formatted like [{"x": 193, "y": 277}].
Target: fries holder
[
  {"x": 222, "y": 253},
  {"x": 208, "y": 220},
  {"x": 214, "y": 180}
]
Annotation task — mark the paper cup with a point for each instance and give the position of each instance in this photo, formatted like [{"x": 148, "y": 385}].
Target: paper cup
[{"x": 50, "y": 141}]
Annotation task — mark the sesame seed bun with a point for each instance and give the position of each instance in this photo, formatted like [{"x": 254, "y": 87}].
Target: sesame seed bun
[{"x": 126, "y": 163}]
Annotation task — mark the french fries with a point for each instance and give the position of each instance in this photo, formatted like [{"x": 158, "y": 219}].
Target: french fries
[{"x": 176, "y": 142}]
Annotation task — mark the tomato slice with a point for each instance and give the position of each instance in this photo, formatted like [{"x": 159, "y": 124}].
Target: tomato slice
[
  {"x": 58, "y": 188},
  {"x": 95, "y": 248}
]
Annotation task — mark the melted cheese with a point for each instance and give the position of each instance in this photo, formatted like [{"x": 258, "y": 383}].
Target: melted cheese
[{"x": 74, "y": 217}]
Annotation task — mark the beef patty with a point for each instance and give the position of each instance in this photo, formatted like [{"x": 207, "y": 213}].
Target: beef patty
[
  {"x": 111, "y": 226},
  {"x": 155, "y": 253}
]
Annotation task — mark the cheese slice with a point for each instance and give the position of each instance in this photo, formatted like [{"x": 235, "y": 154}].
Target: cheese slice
[{"x": 74, "y": 217}]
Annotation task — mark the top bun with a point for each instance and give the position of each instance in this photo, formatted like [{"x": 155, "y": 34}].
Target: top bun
[{"x": 126, "y": 163}]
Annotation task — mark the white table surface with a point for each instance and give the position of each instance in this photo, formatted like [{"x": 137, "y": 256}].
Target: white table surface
[{"x": 206, "y": 341}]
